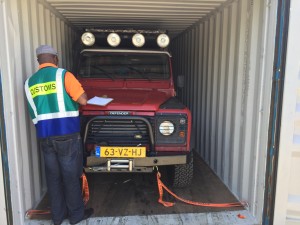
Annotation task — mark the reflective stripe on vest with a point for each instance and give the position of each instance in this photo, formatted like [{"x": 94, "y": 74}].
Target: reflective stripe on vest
[
  {"x": 60, "y": 100},
  {"x": 30, "y": 101},
  {"x": 57, "y": 115},
  {"x": 59, "y": 90}
]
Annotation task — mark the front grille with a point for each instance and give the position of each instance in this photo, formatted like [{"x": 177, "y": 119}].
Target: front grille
[{"x": 118, "y": 131}]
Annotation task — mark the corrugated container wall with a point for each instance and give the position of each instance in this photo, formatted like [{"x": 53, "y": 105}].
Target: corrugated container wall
[
  {"x": 227, "y": 87},
  {"x": 25, "y": 24},
  {"x": 287, "y": 202}
]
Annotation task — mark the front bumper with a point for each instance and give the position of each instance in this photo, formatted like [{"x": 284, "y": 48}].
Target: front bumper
[{"x": 95, "y": 164}]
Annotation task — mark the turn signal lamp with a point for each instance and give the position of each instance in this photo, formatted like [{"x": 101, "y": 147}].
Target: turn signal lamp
[
  {"x": 88, "y": 39},
  {"x": 163, "y": 40},
  {"x": 182, "y": 134},
  {"x": 113, "y": 39},
  {"x": 138, "y": 40}
]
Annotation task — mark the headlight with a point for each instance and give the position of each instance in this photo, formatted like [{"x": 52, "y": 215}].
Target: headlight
[
  {"x": 163, "y": 40},
  {"x": 166, "y": 128},
  {"x": 138, "y": 40},
  {"x": 88, "y": 39},
  {"x": 113, "y": 39}
]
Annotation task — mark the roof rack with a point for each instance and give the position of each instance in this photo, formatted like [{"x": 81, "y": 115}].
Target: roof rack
[{"x": 129, "y": 31}]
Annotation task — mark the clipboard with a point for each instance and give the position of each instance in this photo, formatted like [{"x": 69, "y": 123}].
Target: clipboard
[{"x": 99, "y": 101}]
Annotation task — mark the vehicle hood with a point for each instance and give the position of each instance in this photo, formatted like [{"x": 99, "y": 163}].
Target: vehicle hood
[{"x": 133, "y": 100}]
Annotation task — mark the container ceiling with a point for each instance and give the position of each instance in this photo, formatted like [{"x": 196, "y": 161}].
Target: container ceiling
[{"x": 172, "y": 15}]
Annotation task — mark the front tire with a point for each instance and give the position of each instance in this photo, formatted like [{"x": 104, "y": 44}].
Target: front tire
[{"x": 181, "y": 175}]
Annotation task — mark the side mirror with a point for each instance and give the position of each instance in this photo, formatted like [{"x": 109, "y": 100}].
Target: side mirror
[{"x": 180, "y": 81}]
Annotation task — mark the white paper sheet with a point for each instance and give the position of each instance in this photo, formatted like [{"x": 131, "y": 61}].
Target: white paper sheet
[{"x": 99, "y": 101}]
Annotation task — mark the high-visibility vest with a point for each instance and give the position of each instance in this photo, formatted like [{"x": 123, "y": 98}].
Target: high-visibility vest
[{"x": 52, "y": 110}]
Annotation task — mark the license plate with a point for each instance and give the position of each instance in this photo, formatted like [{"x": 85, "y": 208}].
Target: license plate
[{"x": 120, "y": 152}]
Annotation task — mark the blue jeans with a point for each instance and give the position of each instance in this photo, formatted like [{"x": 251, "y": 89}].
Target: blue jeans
[{"x": 63, "y": 165}]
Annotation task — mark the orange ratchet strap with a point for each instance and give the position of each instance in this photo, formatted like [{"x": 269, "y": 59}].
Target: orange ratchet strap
[
  {"x": 32, "y": 212},
  {"x": 161, "y": 186},
  {"x": 85, "y": 189}
]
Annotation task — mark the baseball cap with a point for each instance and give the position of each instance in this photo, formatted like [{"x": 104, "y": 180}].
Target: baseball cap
[{"x": 45, "y": 49}]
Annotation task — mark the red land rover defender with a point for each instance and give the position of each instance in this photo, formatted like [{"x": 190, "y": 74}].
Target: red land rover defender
[{"x": 145, "y": 125}]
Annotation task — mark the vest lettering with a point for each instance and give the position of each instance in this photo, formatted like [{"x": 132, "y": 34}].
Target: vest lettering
[{"x": 43, "y": 89}]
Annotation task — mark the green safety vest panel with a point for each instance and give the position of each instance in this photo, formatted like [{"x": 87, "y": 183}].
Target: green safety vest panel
[{"x": 51, "y": 108}]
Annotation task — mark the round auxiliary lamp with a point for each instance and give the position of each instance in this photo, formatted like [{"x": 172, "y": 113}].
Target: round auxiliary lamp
[{"x": 113, "y": 39}]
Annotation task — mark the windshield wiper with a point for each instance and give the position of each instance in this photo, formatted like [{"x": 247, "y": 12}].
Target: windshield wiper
[
  {"x": 141, "y": 73},
  {"x": 105, "y": 73}
]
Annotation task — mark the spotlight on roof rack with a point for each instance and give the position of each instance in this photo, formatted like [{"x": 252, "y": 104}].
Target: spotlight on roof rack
[
  {"x": 138, "y": 40},
  {"x": 113, "y": 39},
  {"x": 88, "y": 38},
  {"x": 163, "y": 40}
]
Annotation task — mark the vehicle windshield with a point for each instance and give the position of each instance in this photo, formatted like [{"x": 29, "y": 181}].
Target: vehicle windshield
[{"x": 120, "y": 65}]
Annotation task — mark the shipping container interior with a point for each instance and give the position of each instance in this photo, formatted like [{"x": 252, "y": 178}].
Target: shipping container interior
[{"x": 223, "y": 48}]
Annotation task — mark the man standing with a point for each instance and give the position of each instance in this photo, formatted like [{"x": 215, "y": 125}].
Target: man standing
[{"x": 53, "y": 96}]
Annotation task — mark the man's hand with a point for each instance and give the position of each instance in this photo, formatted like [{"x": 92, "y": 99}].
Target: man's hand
[{"x": 82, "y": 100}]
